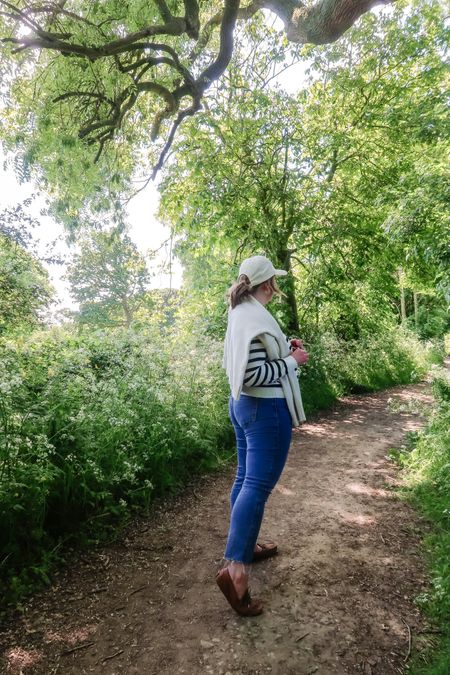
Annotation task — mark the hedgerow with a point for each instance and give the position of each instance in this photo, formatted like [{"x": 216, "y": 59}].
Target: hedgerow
[{"x": 95, "y": 424}]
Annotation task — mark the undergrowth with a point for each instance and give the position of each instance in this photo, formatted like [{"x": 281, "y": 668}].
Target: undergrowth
[
  {"x": 94, "y": 425},
  {"x": 426, "y": 471}
]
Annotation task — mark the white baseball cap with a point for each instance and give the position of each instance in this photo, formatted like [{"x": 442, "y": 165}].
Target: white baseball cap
[{"x": 258, "y": 268}]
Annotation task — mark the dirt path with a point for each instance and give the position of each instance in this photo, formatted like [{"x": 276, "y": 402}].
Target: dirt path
[{"x": 338, "y": 597}]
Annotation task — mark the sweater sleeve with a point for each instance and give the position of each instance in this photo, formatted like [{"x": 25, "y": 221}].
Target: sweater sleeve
[{"x": 262, "y": 372}]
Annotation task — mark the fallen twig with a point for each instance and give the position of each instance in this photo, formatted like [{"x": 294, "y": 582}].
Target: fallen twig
[
  {"x": 409, "y": 640},
  {"x": 76, "y": 649},
  {"x": 301, "y": 637},
  {"x": 113, "y": 656},
  {"x": 136, "y": 590}
]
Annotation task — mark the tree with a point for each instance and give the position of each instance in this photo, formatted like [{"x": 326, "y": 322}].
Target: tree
[
  {"x": 418, "y": 224},
  {"x": 145, "y": 60},
  {"x": 108, "y": 278},
  {"x": 314, "y": 180},
  {"x": 25, "y": 291}
]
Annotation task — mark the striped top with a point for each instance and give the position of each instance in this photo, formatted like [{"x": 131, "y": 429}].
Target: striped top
[{"x": 262, "y": 376}]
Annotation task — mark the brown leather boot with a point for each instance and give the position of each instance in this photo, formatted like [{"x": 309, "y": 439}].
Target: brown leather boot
[{"x": 245, "y": 606}]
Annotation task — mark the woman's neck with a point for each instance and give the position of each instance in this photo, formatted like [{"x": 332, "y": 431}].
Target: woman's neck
[{"x": 261, "y": 297}]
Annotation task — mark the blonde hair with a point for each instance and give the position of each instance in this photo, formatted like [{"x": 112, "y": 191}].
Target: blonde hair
[{"x": 242, "y": 289}]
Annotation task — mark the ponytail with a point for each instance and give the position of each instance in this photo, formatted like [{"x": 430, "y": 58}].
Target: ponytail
[
  {"x": 242, "y": 289},
  {"x": 239, "y": 291}
]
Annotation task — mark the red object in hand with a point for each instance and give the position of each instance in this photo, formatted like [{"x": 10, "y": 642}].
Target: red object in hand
[{"x": 296, "y": 343}]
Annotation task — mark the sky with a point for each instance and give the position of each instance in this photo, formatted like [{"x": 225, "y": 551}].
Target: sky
[{"x": 147, "y": 232}]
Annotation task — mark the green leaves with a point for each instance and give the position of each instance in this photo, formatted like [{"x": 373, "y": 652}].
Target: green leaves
[
  {"x": 119, "y": 416},
  {"x": 108, "y": 278},
  {"x": 25, "y": 290}
]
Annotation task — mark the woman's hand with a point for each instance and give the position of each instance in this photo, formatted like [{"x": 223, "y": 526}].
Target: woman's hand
[
  {"x": 296, "y": 343},
  {"x": 300, "y": 355}
]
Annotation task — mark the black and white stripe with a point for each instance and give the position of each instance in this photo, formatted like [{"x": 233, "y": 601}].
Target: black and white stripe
[{"x": 260, "y": 372}]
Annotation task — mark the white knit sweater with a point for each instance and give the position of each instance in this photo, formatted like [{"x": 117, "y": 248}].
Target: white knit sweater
[{"x": 245, "y": 322}]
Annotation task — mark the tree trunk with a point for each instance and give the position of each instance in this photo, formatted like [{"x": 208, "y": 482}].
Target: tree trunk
[
  {"x": 283, "y": 255},
  {"x": 291, "y": 301},
  {"x": 416, "y": 308},
  {"x": 127, "y": 312},
  {"x": 402, "y": 296},
  {"x": 291, "y": 311}
]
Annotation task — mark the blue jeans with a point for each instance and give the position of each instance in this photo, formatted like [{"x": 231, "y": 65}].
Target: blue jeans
[{"x": 263, "y": 428}]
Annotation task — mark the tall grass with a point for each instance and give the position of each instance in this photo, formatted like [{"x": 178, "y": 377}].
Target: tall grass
[{"x": 427, "y": 480}]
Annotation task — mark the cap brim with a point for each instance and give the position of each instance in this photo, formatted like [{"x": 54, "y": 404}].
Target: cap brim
[{"x": 280, "y": 273}]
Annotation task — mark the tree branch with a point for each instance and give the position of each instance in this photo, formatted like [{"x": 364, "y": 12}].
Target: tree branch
[
  {"x": 321, "y": 23},
  {"x": 318, "y": 23},
  {"x": 164, "y": 10},
  {"x": 226, "y": 46},
  {"x": 192, "y": 18}
]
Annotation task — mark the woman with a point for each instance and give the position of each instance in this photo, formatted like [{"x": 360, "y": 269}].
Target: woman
[{"x": 265, "y": 404}]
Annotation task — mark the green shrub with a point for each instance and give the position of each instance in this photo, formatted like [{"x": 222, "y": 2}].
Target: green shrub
[
  {"x": 336, "y": 368},
  {"x": 432, "y": 322},
  {"x": 95, "y": 424},
  {"x": 427, "y": 479}
]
